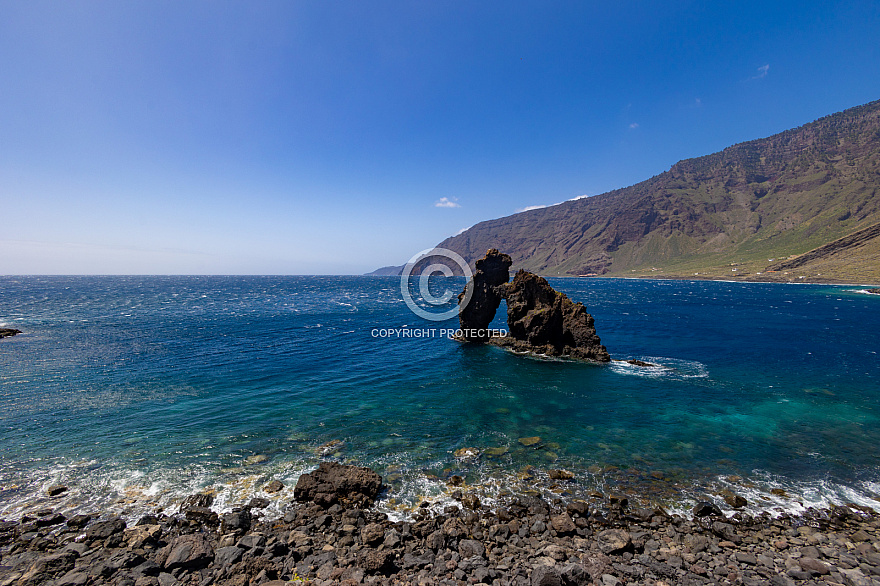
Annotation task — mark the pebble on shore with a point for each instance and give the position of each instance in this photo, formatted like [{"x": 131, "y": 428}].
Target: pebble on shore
[{"x": 331, "y": 535}]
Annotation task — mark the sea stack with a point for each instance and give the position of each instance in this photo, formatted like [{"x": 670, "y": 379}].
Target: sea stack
[
  {"x": 493, "y": 270},
  {"x": 540, "y": 319}
]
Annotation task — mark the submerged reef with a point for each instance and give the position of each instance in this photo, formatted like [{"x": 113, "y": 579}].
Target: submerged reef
[{"x": 540, "y": 319}]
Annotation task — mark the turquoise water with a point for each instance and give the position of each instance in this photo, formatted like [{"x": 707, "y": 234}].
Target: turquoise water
[{"x": 134, "y": 391}]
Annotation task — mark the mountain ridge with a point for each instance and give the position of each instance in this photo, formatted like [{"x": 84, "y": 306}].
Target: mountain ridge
[{"x": 746, "y": 206}]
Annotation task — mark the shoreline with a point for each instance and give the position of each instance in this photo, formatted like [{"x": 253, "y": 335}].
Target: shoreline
[
  {"x": 477, "y": 470},
  {"x": 866, "y": 285},
  {"x": 332, "y": 532}
]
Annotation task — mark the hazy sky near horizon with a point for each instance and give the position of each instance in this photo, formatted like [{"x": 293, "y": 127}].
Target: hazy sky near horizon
[{"x": 315, "y": 136}]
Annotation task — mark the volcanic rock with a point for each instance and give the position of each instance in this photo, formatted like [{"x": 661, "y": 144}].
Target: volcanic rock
[
  {"x": 55, "y": 489},
  {"x": 706, "y": 509},
  {"x": 196, "y": 501},
  {"x": 332, "y": 482},
  {"x": 476, "y": 315},
  {"x": 544, "y": 321},
  {"x": 189, "y": 552},
  {"x": 105, "y": 529},
  {"x": 733, "y": 499},
  {"x": 613, "y": 541},
  {"x": 274, "y": 486}
]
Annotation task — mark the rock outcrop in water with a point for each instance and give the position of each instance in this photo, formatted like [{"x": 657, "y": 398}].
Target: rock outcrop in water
[
  {"x": 475, "y": 317},
  {"x": 8, "y": 332},
  {"x": 540, "y": 319}
]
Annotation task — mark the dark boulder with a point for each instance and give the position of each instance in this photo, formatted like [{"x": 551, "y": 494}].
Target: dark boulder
[
  {"x": 733, "y": 499},
  {"x": 475, "y": 316},
  {"x": 258, "y": 503},
  {"x": 372, "y": 534},
  {"x": 196, "y": 501},
  {"x": 104, "y": 529},
  {"x": 707, "y": 509},
  {"x": 614, "y": 541},
  {"x": 202, "y": 515},
  {"x": 374, "y": 561},
  {"x": 79, "y": 521},
  {"x": 236, "y": 521},
  {"x": 50, "y": 520},
  {"x": 468, "y": 548},
  {"x": 726, "y": 531},
  {"x": 226, "y": 556},
  {"x": 274, "y": 486},
  {"x": 562, "y": 524},
  {"x": 544, "y": 575},
  {"x": 46, "y": 567},
  {"x": 189, "y": 552},
  {"x": 8, "y": 332},
  {"x": 352, "y": 486}
]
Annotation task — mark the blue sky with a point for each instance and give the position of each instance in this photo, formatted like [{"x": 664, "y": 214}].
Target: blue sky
[{"x": 303, "y": 137}]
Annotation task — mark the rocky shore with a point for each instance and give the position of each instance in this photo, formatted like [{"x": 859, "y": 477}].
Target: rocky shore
[{"x": 330, "y": 534}]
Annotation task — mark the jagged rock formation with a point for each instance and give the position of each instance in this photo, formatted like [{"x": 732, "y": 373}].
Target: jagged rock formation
[
  {"x": 540, "y": 319},
  {"x": 8, "y": 332},
  {"x": 476, "y": 315}
]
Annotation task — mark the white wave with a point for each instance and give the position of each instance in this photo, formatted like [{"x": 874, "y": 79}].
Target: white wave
[
  {"x": 796, "y": 496},
  {"x": 661, "y": 367}
]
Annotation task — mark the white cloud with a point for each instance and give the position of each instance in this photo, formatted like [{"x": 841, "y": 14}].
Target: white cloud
[
  {"x": 463, "y": 230},
  {"x": 445, "y": 202},
  {"x": 538, "y": 207},
  {"x": 634, "y": 125},
  {"x": 762, "y": 71},
  {"x": 698, "y": 102},
  {"x": 530, "y": 208}
]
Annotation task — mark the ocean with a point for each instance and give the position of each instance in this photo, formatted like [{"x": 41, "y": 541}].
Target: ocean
[{"x": 137, "y": 391}]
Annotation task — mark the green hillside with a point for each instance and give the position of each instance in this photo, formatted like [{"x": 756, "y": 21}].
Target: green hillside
[{"x": 722, "y": 215}]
